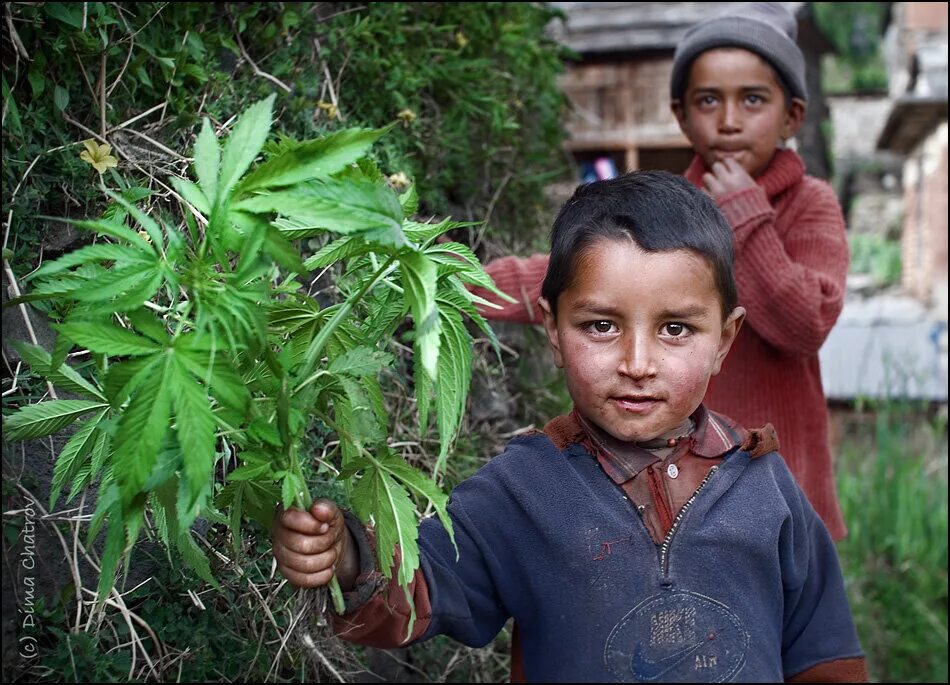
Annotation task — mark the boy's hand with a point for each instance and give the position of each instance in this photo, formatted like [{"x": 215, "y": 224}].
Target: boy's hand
[
  {"x": 310, "y": 546},
  {"x": 727, "y": 176}
]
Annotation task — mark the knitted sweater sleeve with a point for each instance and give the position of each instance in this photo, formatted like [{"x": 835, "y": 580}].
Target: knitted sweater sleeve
[
  {"x": 521, "y": 278},
  {"x": 791, "y": 283}
]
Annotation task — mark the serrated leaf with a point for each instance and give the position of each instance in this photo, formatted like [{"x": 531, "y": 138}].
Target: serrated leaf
[
  {"x": 64, "y": 377},
  {"x": 419, "y": 288},
  {"x": 144, "y": 321},
  {"x": 192, "y": 194},
  {"x": 409, "y": 200},
  {"x": 194, "y": 426},
  {"x": 452, "y": 384},
  {"x": 347, "y": 208},
  {"x": 46, "y": 418},
  {"x": 226, "y": 384},
  {"x": 123, "y": 378},
  {"x": 115, "y": 282},
  {"x": 106, "y": 339},
  {"x": 144, "y": 220},
  {"x": 73, "y": 456},
  {"x": 341, "y": 248},
  {"x": 207, "y": 161},
  {"x": 282, "y": 252},
  {"x": 423, "y": 486},
  {"x": 312, "y": 159},
  {"x": 113, "y": 229},
  {"x": 377, "y": 495},
  {"x": 196, "y": 559},
  {"x": 121, "y": 254},
  {"x": 361, "y": 361},
  {"x": 456, "y": 295},
  {"x": 100, "y": 452},
  {"x": 141, "y": 432},
  {"x": 245, "y": 143},
  {"x": 111, "y": 551}
]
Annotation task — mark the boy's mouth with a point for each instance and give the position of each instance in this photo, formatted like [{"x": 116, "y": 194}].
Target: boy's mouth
[{"x": 637, "y": 404}]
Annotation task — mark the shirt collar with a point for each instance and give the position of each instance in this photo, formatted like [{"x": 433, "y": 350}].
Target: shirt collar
[{"x": 713, "y": 436}]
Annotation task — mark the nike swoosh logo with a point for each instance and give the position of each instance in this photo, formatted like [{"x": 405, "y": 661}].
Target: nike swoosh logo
[{"x": 643, "y": 669}]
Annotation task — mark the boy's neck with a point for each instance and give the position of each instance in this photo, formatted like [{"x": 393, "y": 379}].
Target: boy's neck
[{"x": 661, "y": 445}]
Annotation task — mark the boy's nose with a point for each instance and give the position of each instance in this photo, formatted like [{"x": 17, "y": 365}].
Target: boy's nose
[
  {"x": 729, "y": 119},
  {"x": 638, "y": 360}
]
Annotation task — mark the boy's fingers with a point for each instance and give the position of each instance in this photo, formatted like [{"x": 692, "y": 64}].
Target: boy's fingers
[
  {"x": 306, "y": 563},
  {"x": 324, "y": 510},
  {"x": 301, "y": 521},
  {"x": 306, "y": 579},
  {"x": 305, "y": 544}
]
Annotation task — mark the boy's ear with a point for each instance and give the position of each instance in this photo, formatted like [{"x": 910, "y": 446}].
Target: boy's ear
[
  {"x": 730, "y": 329},
  {"x": 794, "y": 118},
  {"x": 550, "y": 327}
]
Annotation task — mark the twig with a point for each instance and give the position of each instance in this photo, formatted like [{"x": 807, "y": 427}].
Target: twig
[
  {"x": 14, "y": 35},
  {"x": 161, "y": 147},
  {"x": 26, "y": 316},
  {"x": 257, "y": 70},
  {"x": 136, "y": 118},
  {"x": 102, "y": 93}
]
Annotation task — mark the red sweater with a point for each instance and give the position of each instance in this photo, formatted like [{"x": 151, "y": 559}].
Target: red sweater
[{"x": 791, "y": 264}]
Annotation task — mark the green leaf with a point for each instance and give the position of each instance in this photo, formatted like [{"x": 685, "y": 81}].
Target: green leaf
[
  {"x": 342, "y": 207},
  {"x": 282, "y": 251},
  {"x": 64, "y": 377},
  {"x": 196, "y": 560},
  {"x": 193, "y": 194},
  {"x": 417, "y": 481},
  {"x": 244, "y": 143},
  {"x": 112, "y": 229},
  {"x": 419, "y": 287},
  {"x": 452, "y": 384},
  {"x": 361, "y": 361},
  {"x": 100, "y": 452},
  {"x": 13, "y": 113},
  {"x": 112, "y": 551},
  {"x": 60, "y": 98},
  {"x": 73, "y": 455},
  {"x": 124, "y": 378},
  {"x": 334, "y": 251},
  {"x": 194, "y": 427},
  {"x": 140, "y": 433},
  {"x": 46, "y": 418},
  {"x": 318, "y": 158},
  {"x": 207, "y": 161},
  {"x": 116, "y": 282},
  {"x": 106, "y": 339},
  {"x": 144, "y": 321},
  {"x": 120, "y": 254},
  {"x": 145, "y": 221},
  {"x": 217, "y": 371},
  {"x": 378, "y": 497},
  {"x": 409, "y": 200}
]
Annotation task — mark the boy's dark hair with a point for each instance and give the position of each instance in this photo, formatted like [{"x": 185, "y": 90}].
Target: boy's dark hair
[{"x": 658, "y": 210}]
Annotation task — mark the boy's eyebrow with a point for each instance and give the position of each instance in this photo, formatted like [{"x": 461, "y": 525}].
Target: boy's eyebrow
[{"x": 686, "y": 312}]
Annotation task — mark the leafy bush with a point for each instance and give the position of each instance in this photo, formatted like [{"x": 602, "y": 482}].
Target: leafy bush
[
  {"x": 893, "y": 487},
  {"x": 876, "y": 255}
]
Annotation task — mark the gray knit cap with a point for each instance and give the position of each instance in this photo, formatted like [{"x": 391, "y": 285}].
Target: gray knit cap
[{"x": 765, "y": 28}]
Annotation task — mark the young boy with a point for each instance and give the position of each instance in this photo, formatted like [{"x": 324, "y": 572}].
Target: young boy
[
  {"x": 640, "y": 537},
  {"x": 738, "y": 92}
]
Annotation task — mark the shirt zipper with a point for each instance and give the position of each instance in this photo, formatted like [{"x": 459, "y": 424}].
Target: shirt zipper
[{"x": 665, "y": 547}]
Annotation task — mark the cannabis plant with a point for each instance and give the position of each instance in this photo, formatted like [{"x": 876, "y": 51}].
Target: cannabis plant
[{"x": 208, "y": 351}]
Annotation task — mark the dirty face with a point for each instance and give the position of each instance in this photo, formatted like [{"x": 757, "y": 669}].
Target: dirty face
[
  {"x": 639, "y": 334},
  {"x": 734, "y": 107}
]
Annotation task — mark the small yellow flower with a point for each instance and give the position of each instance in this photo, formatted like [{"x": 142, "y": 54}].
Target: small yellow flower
[
  {"x": 98, "y": 155},
  {"x": 399, "y": 181},
  {"x": 407, "y": 116},
  {"x": 461, "y": 39},
  {"x": 329, "y": 108},
  {"x": 146, "y": 236}
]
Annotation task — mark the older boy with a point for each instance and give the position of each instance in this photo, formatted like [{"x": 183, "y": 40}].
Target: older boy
[
  {"x": 641, "y": 537},
  {"x": 738, "y": 92}
]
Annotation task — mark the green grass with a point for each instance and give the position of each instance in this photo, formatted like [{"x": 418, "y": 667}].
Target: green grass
[{"x": 892, "y": 480}]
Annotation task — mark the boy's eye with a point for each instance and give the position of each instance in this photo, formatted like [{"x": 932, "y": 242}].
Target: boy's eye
[
  {"x": 601, "y": 327},
  {"x": 755, "y": 99},
  {"x": 675, "y": 330}
]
